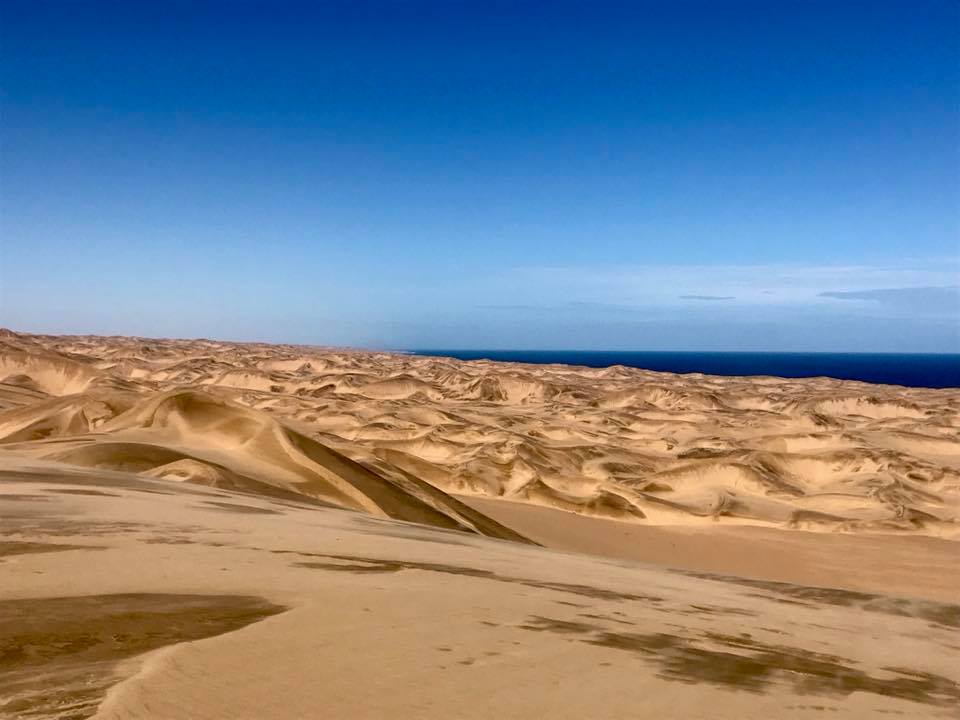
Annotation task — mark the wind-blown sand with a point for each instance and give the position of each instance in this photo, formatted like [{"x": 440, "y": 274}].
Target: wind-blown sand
[{"x": 210, "y": 530}]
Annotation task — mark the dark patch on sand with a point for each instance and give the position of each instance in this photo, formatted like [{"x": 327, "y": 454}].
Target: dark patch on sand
[
  {"x": 607, "y": 618},
  {"x": 244, "y": 509},
  {"x": 379, "y": 565},
  {"x": 348, "y": 567},
  {"x": 57, "y": 655},
  {"x": 27, "y": 525},
  {"x": 68, "y": 491},
  {"x": 14, "y": 547},
  {"x": 711, "y": 610},
  {"x": 744, "y": 663},
  {"x": 788, "y": 594}
]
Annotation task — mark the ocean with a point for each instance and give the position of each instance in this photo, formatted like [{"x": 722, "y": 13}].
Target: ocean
[{"x": 909, "y": 369}]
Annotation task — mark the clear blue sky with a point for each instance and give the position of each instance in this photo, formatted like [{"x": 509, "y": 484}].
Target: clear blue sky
[{"x": 764, "y": 175}]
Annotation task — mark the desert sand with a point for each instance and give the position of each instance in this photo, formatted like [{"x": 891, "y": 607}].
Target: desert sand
[{"x": 212, "y": 530}]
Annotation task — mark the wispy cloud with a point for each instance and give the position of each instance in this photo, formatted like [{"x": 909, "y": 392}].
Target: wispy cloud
[
  {"x": 766, "y": 285},
  {"x": 509, "y": 307},
  {"x": 906, "y": 297}
]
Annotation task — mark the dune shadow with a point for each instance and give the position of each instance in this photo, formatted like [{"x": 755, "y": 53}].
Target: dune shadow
[{"x": 58, "y": 655}]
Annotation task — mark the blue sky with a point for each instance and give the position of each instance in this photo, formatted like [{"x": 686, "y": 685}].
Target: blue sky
[{"x": 646, "y": 175}]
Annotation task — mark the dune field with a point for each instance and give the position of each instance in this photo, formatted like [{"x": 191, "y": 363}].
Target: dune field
[{"x": 201, "y": 529}]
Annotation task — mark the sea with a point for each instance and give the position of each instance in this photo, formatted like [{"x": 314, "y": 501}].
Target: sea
[{"x": 907, "y": 369}]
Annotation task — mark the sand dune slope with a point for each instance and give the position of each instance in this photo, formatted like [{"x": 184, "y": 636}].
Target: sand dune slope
[
  {"x": 185, "y": 435},
  {"x": 203, "y": 603},
  {"x": 395, "y": 435}
]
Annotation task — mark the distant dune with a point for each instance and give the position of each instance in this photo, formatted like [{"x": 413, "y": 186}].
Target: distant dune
[{"x": 395, "y": 435}]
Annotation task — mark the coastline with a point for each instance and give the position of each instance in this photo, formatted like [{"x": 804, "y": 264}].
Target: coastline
[{"x": 922, "y": 370}]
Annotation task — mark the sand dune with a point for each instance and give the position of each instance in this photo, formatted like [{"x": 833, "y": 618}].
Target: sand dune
[
  {"x": 191, "y": 436},
  {"x": 394, "y": 434},
  {"x": 212, "y": 530}
]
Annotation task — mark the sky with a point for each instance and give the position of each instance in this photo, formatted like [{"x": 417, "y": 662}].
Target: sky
[{"x": 722, "y": 175}]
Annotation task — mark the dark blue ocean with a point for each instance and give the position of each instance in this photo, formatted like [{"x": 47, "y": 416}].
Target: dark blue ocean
[{"x": 912, "y": 370}]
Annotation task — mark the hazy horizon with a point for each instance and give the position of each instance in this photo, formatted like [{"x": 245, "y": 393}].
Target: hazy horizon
[
  {"x": 468, "y": 349},
  {"x": 588, "y": 176}
]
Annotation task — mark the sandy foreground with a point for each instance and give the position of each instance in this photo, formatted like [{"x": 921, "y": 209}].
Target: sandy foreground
[{"x": 194, "y": 529}]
